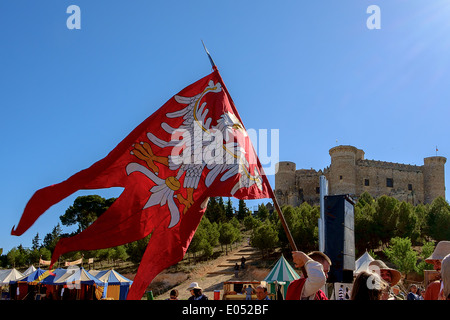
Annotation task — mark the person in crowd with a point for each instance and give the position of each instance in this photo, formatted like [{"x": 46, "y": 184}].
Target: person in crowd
[
  {"x": 412, "y": 295},
  {"x": 261, "y": 293},
  {"x": 173, "y": 295},
  {"x": 445, "y": 278},
  {"x": 196, "y": 292},
  {"x": 236, "y": 270},
  {"x": 391, "y": 276},
  {"x": 368, "y": 286},
  {"x": 341, "y": 292},
  {"x": 243, "y": 262},
  {"x": 419, "y": 293},
  {"x": 397, "y": 293},
  {"x": 248, "y": 292},
  {"x": 442, "y": 249},
  {"x": 316, "y": 266},
  {"x": 243, "y": 289}
]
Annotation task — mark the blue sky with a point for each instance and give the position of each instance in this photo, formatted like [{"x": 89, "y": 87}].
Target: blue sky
[{"x": 311, "y": 69}]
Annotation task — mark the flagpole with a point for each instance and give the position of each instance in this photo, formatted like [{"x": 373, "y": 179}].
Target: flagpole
[
  {"x": 272, "y": 194},
  {"x": 209, "y": 56},
  {"x": 284, "y": 224},
  {"x": 285, "y": 227}
]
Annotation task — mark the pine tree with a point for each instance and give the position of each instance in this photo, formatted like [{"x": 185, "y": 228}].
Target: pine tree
[{"x": 229, "y": 210}]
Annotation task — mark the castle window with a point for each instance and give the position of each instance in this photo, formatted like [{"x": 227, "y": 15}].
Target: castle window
[
  {"x": 410, "y": 187},
  {"x": 317, "y": 189},
  {"x": 389, "y": 182},
  {"x": 366, "y": 182},
  {"x": 340, "y": 177}
]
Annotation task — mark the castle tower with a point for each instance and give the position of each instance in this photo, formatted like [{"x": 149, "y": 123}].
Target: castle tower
[
  {"x": 433, "y": 178},
  {"x": 342, "y": 174},
  {"x": 285, "y": 190}
]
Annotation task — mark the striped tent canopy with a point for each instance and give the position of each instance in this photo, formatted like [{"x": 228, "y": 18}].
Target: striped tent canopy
[
  {"x": 78, "y": 276},
  {"x": 30, "y": 277},
  {"x": 112, "y": 277},
  {"x": 50, "y": 276},
  {"x": 116, "y": 285},
  {"x": 282, "y": 271},
  {"x": 9, "y": 275}
]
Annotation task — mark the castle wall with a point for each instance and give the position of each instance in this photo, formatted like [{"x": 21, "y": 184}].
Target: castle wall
[
  {"x": 350, "y": 173},
  {"x": 307, "y": 182},
  {"x": 407, "y": 180}
]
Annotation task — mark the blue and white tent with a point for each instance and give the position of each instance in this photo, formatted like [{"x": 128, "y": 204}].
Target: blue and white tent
[
  {"x": 29, "y": 278},
  {"x": 54, "y": 275},
  {"x": 78, "y": 276},
  {"x": 116, "y": 285}
]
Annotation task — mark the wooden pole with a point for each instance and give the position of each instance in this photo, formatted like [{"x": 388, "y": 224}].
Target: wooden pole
[
  {"x": 286, "y": 229},
  {"x": 284, "y": 224}
]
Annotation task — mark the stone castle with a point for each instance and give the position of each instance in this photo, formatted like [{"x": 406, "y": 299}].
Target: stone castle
[{"x": 349, "y": 173}]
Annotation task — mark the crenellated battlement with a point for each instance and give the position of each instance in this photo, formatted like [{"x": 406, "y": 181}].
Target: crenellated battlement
[
  {"x": 350, "y": 173},
  {"x": 388, "y": 165}
]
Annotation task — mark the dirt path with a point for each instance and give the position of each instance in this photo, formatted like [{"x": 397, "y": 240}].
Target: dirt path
[{"x": 211, "y": 276}]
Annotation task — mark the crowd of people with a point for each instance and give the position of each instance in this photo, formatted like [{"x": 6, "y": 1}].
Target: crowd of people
[{"x": 378, "y": 282}]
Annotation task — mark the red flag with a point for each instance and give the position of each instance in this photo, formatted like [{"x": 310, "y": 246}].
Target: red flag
[{"x": 194, "y": 147}]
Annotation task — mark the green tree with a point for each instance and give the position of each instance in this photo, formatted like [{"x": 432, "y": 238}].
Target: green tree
[
  {"x": 400, "y": 253},
  {"x": 407, "y": 226},
  {"x": 251, "y": 223},
  {"x": 35, "y": 242},
  {"x": 365, "y": 236},
  {"x": 45, "y": 254},
  {"x": 263, "y": 212},
  {"x": 228, "y": 234},
  {"x": 365, "y": 199},
  {"x": 243, "y": 211},
  {"x": 119, "y": 253},
  {"x": 222, "y": 208},
  {"x": 136, "y": 249},
  {"x": 18, "y": 256},
  {"x": 385, "y": 218},
  {"x": 105, "y": 254},
  {"x": 438, "y": 220},
  {"x": 13, "y": 257},
  {"x": 229, "y": 210},
  {"x": 53, "y": 237},
  {"x": 215, "y": 211},
  {"x": 85, "y": 210},
  {"x": 265, "y": 237},
  {"x": 427, "y": 250},
  {"x": 307, "y": 232},
  {"x": 205, "y": 238},
  {"x": 302, "y": 224},
  {"x": 421, "y": 212}
]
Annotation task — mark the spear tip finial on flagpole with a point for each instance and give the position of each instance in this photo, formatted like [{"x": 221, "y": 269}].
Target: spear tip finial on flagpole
[{"x": 209, "y": 56}]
